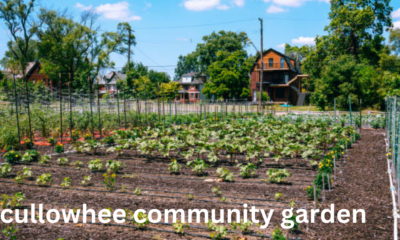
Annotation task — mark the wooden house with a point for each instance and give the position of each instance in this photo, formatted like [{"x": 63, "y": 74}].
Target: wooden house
[
  {"x": 282, "y": 78},
  {"x": 192, "y": 84}
]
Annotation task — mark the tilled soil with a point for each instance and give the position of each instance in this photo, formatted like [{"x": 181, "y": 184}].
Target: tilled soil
[{"x": 362, "y": 185}]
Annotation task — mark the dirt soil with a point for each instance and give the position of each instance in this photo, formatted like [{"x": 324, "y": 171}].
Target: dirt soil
[{"x": 364, "y": 184}]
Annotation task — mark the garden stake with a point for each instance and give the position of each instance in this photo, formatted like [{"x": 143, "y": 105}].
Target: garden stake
[
  {"x": 315, "y": 197},
  {"x": 334, "y": 167},
  {"x": 323, "y": 186},
  {"x": 329, "y": 182}
]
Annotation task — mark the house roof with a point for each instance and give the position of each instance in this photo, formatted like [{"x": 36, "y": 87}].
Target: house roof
[
  {"x": 287, "y": 59},
  {"x": 30, "y": 67},
  {"x": 197, "y": 78},
  {"x": 110, "y": 78}
]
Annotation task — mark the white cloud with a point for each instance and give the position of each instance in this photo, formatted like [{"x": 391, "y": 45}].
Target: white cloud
[
  {"x": 201, "y": 5},
  {"x": 275, "y": 9},
  {"x": 83, "y": 7},
  {"x": 396, "y": 14},
  {"x": 116, "y": 11},
  {"x": 223, "y": 7},
  {"x": 396, "y": 25},
  {"x": 293, "y": 3},
  {"x": 239, "y": 3},
  {"x": 281, "y": 45},
  {"x": 304, "y": 40}
]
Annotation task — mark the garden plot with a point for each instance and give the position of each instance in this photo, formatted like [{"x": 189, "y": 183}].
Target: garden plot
[{"x": 221, "y": 166}]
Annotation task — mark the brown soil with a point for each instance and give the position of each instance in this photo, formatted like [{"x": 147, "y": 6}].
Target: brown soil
[{"x": 363, "y": 185}]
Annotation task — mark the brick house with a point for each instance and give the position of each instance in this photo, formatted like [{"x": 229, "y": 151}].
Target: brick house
[
  {"x": 32, "y": 73},
  {"x": 108, "y": 82},
  {"x": 282, "y": 78},
  {"x": 192, "y": 84}
]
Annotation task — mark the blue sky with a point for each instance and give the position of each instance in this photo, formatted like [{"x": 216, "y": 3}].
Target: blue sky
[{"x": 166, "y": 29}]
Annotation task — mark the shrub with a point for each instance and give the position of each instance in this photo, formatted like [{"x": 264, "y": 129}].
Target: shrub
[
  {"x": 277, "y": 234},
  {"x": 28, "y": 144},
  {"x": 59, "y": 148},
  {"x": 310, "y": 192},
  {"x": 319, "y": 183},
  {"x": 52, "y": 141},
  {"x": 5, "y": 170},
  {"x": 109, "y": 140},
  {"x": 30, "y": 156},
  {"x": 95, "y": 165},
  {"x": 225, "y": 174},
  {"x": 12, "y": 156},
  {"x": 75, "y": 136},
  {"x": 278, "y": 175},
  {"x": 88, "y": 136}
]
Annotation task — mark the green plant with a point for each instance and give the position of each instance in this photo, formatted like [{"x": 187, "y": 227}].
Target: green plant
[
  {"x": 123, "y": 188},
  {"x": 75, "y": 136},
  {"x": 44, "y": 179},
  {"x": 86, "y": 180},
  {"x": 322, "y": 183},
  {"x": 59, "y": 148},
  {"x": 245, "y": 227},
  {"x": 12, "y": 202},
  {"x": 220, "y": 232},
  {"x": 247, "y": 170},
  {"x": 295, "y": 227},
  {"x": 310, "y": 192},
  {"x": 78, "y": 164},
  {"x": 278, "y": 175},
  {"x": 28, "y": 144},
  {"x": 225, "y": 174},
  {"x": 198, "y": 166},
  {"x": 30, "y": 156},
  {"x": 277, "y": 234},
  {"x": 44, "y": 159},
  {"x": 278, "y": 196},
  {"x": 141, "y": 216},
  {"x": 5, "y": 170},
  {"x": 108, "y": 140},
  {"x": 216, "y": 191},
  {"x": 174, "y": 167},
  {"x": 180, "y": 227},
  {"x": 190, "y": 197},
  {"x": 9, "y": 232},
  {"x": 66, "y": 183},
  {"x": 12, "y": 156},
  {"x": 115, "y": 166},
  {"x": 21, "y": 175},
  {"x": 95, "y": 165},
  {"x": 52, "y": 141},
  {"x": 62, "y": 161},
  {"x": 109, "y": 180},
  {"x": 138, "y": 191}
]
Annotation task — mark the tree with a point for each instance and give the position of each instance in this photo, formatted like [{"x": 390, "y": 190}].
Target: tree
[
  {"x": 394, "y": 39},
  {"x": 298, "y": 53},
  {"x": 158, "y": 77},
  {"x": 169, "y": 90},
  {"x": 229, "y": 75},
  {"x": 206, "y": 52}
]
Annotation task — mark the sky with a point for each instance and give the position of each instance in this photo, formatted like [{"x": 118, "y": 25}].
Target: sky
[{"x": 166, "y": 29}]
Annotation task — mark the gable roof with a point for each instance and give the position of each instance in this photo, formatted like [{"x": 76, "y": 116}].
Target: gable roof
[
  {"x": 30, "y": 68},
  {"x": 111, "y": 78},
  {"x": 287, "y": 59},
  {"x": 197, "y": 78}
]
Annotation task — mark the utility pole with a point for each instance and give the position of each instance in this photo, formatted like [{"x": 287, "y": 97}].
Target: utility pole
[{"x": 262, "y": 63}]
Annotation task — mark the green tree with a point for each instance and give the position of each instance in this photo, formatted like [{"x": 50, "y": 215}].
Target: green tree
[
  {"x": 229, "y": 75},
  {"x": 394, "y": 39}
]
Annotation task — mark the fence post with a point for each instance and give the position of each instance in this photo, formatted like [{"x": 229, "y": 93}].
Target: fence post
[{"x": 351, "y": 117}]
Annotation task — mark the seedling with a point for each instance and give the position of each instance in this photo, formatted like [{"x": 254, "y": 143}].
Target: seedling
[
  {"x": 115, "y": 166},
  {"x": 9, "y": 232},
  {"x": 44, "y": 180},
  {"x": 21, "y": 175},
  {"x": 174, "y": 167},
  {"x": 123, "y": 188},
  {"x": 278, "y": 175},
  {"x": 225, "y": 174},
  {"x": 216, "y": 191},
  {"x": 243, "y": 226},
  {"x": 141, "y": 216},
  {"x": 5, "y": 170},
  {"x": 278, "y": 196},
  {"x": 277, "y": 234},
  {"x": 78, "y": 164},
  {"x": 109, "y": 180},
  {"x": 30, "y": 156},
  {"x": 62, "y": 161},
  {"x": 86, "y": 180},
  {"x": 95, "y": 165},
  {"x": 180, "y": 227},
  {"x": 198, "y": 166},
  {"x": 66, "y": 183},
  {"x": 190, "y": 197},
  {"x": 247, "y": 170},
  {"x": 12, "y": 202},
  {"x": 138, "y": 191},
  {"x": 44, "y": 159}
]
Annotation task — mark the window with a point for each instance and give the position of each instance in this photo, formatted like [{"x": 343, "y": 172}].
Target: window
[
  {"x": 192, "y": 95},
  {"x": 282, "y": 63},
  {"x": 280, "y": 93},
  {"x": 271, "y": 62},
  {"x": 286, "y": 78}
]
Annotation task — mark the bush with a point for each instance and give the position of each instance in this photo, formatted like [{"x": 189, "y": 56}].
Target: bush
[
  {"x": 95, "y": 165},
  {"x": 30, "y": 156},
  {"x": 109, "y": 140},
  {"x": 52, "y": 141},
  {"x": 28, "y": 144},
  {"x": 59, "y": 148},
  {"x": 12, "y": 156},
  {"x": 5, "y": 170},
  {"x": 310, "y": 192}
]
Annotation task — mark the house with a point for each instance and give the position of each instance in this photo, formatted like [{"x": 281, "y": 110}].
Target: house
[
  {"x": 108, "y": 82},
  {"x": 192, "y": 85},
  {"x": 282, "y": 78},
  {"x": 32, "y": 73}
]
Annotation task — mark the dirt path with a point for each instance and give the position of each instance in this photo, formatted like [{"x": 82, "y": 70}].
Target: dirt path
[{"x": 364, "y": 184}]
